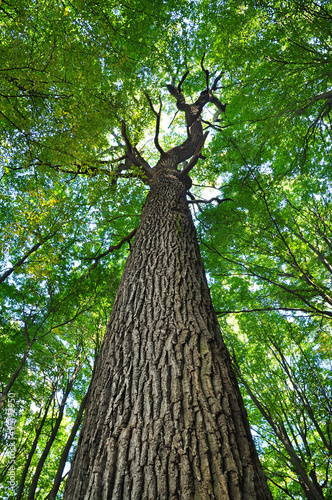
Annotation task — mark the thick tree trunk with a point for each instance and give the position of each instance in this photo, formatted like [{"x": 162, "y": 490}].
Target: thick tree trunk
[{"x": 165, "y": 418}]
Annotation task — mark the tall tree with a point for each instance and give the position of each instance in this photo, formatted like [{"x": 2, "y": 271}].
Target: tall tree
[
  {"x": 165, "y": 417},
  {"x": 69, "y": 206}
]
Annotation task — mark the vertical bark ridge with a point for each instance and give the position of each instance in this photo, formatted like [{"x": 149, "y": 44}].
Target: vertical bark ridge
[{"x": 165, "y": 419}]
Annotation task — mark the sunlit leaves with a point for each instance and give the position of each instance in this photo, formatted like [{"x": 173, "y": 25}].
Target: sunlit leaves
[
  {"x": 70, "y": 72},
  {"x": 280, "y": 360}
]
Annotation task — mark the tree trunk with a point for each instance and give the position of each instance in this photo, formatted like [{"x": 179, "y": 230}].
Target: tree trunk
[
  {"x": 48, "y": 446},
  {"x": 165, "y": 418},
  {"x": 64, "y": 456},
  {"x": 15, "y": 375},
  {"x": 310, "y": 489},
  {"x": 33, "y": 448}
]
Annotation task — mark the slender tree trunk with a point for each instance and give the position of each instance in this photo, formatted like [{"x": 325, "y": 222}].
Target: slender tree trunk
[
  {"x": 33, "y": 448},
  {"x": 48, "y": 446},
  {"x": 309, "y": 487},
  {"x": 165, "y": 418},
  {"x": 64, "y": 456},
  {"x": 15, "y": 375}
]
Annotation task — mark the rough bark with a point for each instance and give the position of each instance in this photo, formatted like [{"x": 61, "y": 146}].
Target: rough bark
[{"x": 165, "y": 418}]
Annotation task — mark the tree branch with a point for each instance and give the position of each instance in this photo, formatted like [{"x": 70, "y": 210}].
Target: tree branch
[
  {"x": 206, "y": 71},
  {"x": 192, "y": 146},
  {"x": 133, "y": 153},
  {"x": 211, "y": 200},
  {"x": 182, "y": 80},
  {"x": 23, "y": 259},
  {"x": 216, "y": 81},
  {"x": 110, "y": 249},
  {"x": 196, "y": 156},
  {"x": 263, "y": 309},
  {"x": 157, "y": 115}
]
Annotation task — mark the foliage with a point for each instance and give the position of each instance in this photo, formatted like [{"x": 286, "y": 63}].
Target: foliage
[{"x": 70, "y": 72}]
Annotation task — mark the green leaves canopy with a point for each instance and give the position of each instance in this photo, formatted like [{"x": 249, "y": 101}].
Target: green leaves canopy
[{"x": 70, "y": 72}]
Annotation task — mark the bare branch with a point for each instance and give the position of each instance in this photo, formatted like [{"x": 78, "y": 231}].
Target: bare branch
[
  {"x": 157, "y": 115},
  {"x": 126, "y": 139},
  {"x": 180, "y": 100},
  {"x": 192, "y": 146},
  {"x": 143, "y": 163},
  {"x": 264, "y": 309},
  {"x": 206, "y": 71},
  {"x": 111, "y": 248},
  {"x": 133, "y": 153},
  {"x": 214, "y": 126},
  {"x": 176, "y": 112},
  {"x": 218, "y": 200},
  {"x": 182, "y": 80},
  {"x": 215, "y": 83},
  {"x": 76, "y": 168},
  {"x": 24, "y": 258}
]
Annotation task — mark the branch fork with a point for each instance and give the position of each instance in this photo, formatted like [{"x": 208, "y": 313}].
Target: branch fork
[{"x": 133, "y": 154}]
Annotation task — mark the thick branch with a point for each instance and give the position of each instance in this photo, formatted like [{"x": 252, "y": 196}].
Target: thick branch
[
  {"x": 196, "y": 156},
  {"x": 182, "y": 80},
  {"x": 192, "y": 146},
  {"x": 206, "y": 71},
  {"x": 216, "y": 81},
  {"x": 324, "y": 95}
]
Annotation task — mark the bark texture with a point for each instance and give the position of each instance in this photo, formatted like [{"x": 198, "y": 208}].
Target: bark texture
[{"x": 165, "y": 419}]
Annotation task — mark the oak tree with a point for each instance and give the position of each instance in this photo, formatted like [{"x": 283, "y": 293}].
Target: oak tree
[
  {"x": 165, "y": 417},
  {"x": 71, "y": 199}
]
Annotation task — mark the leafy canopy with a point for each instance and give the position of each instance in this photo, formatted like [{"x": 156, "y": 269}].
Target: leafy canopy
[{"x": 70, "y": 73}]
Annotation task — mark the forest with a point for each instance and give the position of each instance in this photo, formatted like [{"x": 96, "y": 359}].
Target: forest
[{"x": 92, "y": 97}]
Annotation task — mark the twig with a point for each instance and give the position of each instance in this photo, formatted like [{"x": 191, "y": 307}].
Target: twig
[{"x": 176, "y": 112}]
